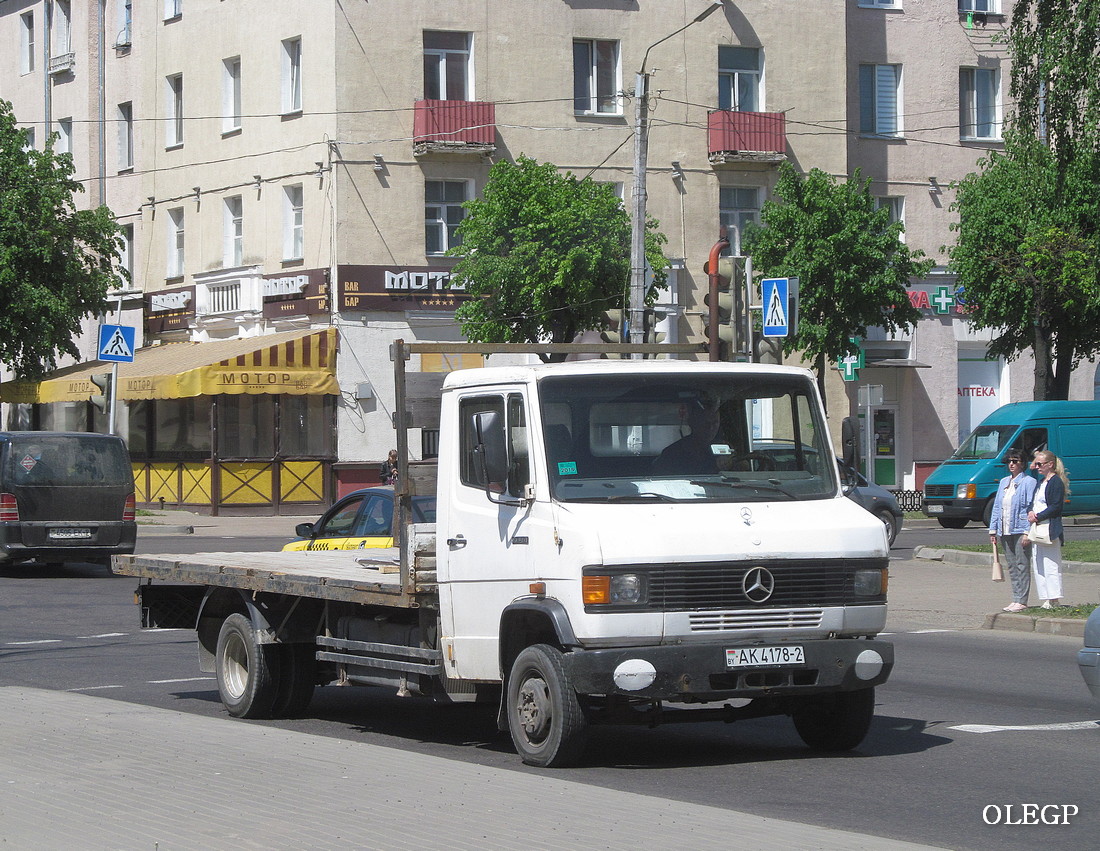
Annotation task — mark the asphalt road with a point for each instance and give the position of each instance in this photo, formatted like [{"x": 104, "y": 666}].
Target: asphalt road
[{"x": 917, "y": 777}]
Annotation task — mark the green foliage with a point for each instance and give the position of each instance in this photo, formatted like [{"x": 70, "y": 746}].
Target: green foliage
[
  {"x": 1029, "y": 223},
  {"x": 853, "y": 270},
  {"x": 547, "y": 253},
  {"x": 56, "y": 262}
]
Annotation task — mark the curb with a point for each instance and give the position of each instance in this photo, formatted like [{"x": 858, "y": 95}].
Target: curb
[{"x": 1073, "y": 627}]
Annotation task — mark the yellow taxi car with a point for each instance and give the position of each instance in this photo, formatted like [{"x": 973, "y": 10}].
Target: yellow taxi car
[{"x": 361, "y": 520}]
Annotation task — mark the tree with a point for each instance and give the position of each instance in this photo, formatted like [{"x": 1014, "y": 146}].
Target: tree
[
  {"x": 852, "y": 267},
  {"x": 56, "y": 262},
  {"x": 1026, "y": 259},
  {"x": 545, "y": 254},
  {"x": 1026, "y": 256}
]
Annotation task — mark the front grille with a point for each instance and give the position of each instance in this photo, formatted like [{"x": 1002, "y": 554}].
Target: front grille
[
  {"x": 939, "y": 491},
  {"x": 753, "y": 620},
  {"x": 720, "y": 585}
]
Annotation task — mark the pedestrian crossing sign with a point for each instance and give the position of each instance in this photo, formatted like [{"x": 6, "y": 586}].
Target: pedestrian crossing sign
[
  {"x": 116, "y": 343},
  {"x": 776, "y": 303}
]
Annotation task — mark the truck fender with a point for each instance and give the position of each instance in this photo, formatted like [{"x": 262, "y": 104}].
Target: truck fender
[
  {"x": 216, "y": 606},
  {"x": 527, "y": 621}
]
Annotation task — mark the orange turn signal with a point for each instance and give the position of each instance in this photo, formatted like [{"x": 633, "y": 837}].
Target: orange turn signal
[{"x": 596, "y": 590}]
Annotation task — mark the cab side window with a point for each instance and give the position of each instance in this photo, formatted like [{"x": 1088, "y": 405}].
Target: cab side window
[
  {"x": 519, "y": 461},
  {"x": 469, "y": 469},
  {"x": 341, "y": 520}
]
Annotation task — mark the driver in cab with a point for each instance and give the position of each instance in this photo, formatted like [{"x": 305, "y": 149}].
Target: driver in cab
[{"x": 696, "y": 452}]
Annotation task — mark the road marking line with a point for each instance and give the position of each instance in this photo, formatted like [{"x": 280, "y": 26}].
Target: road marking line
[
  {"x": 27, "y": 643},
  {"x": 993, "y": 728},
  {"x": 186, "y": 680},
  {"x": 104, "y": 635},
  {"x": 928, "y": 631},
  {"x": 91, "y": 688}
]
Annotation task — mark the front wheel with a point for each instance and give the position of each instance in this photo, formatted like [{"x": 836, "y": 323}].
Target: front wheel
[
  {"x": 890, "y": 522},
  {"x": 248, "y": 673},
  {"x": 952, "y": 522},
  {"x": 545, "y": 716},
  {"x": 835, "y": 722}
]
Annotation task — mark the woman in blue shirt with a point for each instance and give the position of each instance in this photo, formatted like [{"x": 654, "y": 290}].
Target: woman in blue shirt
[{"x": 1008, "y": 526}]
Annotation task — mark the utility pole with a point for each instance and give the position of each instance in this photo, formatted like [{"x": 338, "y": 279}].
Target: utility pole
[{"x": 638, "y": 279}]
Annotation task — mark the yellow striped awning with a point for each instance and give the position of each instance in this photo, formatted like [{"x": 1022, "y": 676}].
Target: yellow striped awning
[{"x": 296, "y": 362}]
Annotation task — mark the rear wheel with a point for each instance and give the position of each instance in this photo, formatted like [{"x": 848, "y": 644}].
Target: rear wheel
[
  {"x": 835, "y": 722},
  {"x": 248, "y": 672},
  {"x": 952, "y": 522},
  {"x": 545, "y": 716},
  {"x": 297, "y": 679}
]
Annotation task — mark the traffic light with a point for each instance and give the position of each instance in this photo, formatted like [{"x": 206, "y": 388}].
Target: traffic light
[
  {"x": 102, "y": 380},
  {"x": 649, "y": 324},
  {"x": 612, "y": 331},
  {"x": 731, "y": 307}
]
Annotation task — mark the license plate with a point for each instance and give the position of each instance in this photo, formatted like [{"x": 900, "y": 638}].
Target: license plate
[
  {"x": 70, "y": 534},
  {"x": 934, "y": 509},
  {"x": 784, "y": 654}
]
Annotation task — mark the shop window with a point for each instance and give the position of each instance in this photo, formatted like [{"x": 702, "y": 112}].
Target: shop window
[
  {"x": 182, "y": 426},
  {"x": 246, "y": 426},
  {"x": 305, "y": 426}
]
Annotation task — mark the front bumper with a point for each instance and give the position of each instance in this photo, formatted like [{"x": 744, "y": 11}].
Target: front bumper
[
  {"x": 694, "y": 672},
  {"x": 1088, "y": 659},
  {"x": 971, "y": 509}
]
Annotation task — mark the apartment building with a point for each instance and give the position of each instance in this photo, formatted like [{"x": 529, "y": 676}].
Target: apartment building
[{"x": 290, "y": 177}]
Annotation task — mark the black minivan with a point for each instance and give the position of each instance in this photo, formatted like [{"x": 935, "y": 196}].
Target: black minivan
[{"x": 65, "y": 496}]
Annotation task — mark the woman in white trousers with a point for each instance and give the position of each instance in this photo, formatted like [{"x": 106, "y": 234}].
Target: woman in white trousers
[{"x": 1050, "y": 497}]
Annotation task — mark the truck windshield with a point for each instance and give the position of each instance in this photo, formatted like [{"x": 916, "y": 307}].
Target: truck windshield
[
  {"x": 719, "y": 436},
  {"x": 986, "y": 441}
]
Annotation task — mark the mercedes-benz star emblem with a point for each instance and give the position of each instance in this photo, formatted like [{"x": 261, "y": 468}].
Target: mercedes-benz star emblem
[
  {"x": 746, "y": 514},
  {"x": 758, "y": 584}
]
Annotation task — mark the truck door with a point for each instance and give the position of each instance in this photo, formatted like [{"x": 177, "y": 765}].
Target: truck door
[{"x": 485, "y": 537}]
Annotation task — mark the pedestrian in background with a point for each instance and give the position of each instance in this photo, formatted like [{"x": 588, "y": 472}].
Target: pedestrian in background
[
  {"x": 1008, "y": 526},
  {"x": 1050, "y": 497},
  {"x": 388, "y": 471}
]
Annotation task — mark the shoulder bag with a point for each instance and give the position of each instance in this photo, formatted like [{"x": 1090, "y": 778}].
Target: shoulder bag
[{"x": 1040, "y": 533}]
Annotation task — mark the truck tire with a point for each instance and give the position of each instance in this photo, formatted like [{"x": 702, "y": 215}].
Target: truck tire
[
  {"x": 987, "y": 512},
  {"x": 545, "y": 717},
  {"x": 248, "y": 672},
  {"x": 835, "y": 722},
  {"x": 297, "y": 678},
  {"x": 953, "y": 522}
]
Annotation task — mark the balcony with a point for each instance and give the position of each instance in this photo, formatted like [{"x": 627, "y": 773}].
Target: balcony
[
  {"x": 62, "y": 63},
  {"x": 746, "y": 137},
  {"x": 454, "y": 126}
]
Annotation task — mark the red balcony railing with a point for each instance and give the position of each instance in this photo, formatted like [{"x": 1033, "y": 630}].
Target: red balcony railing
[
  {"x": 752, "y": 134},
  {"x": 457, "y": 122}
]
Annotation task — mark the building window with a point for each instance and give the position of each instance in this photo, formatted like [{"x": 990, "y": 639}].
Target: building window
[
  {"x": 737, "y": 206},
  {"x": 64, "y": 144},
  {"x": 233, "y": 253},
  {"x": 175, "y": 242},
  {"x": 173, "y": 125},
  {"x": 882, "y": 4},
  {"x": 223, "y": 298},
  {"x": 443, "y": 212},
  {"x": 28, "y": 139},
  {"x": 447, "y": 66},
  {"x": 231, "y": 95},
  {"x": 292, "y": 75},
  {"x": 293, "y": 223},
  {"x": 125, "y": 23},
  {"x": 992, "y": 7},
  {"x": 739, "y": 73},
  {"x": 173, "y": 9},
  {"x": 126, "y": 252},
  {"x": 979, "y": 103},
  {"x": 61, "y": 30},
  {"x": 879, "y": 97},
  {"x": 26, "y": 43},
  {"x": 125, "y": 136},
  {"x": 896, "y": 205},
  {"x": 596, "y": 80}
]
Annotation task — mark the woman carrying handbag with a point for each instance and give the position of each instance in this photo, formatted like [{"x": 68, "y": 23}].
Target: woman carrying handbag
[
  {"x": 1046, "y": 533},
  {"x": 1008, "y": 526}
]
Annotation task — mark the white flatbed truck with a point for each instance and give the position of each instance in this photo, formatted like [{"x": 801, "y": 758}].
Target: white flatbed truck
[{"x": 615, "y": 542}]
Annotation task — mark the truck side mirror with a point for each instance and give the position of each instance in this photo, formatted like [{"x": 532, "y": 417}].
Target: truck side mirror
[
  {"x": 849, "y": 440},
  {"x": 491, "y": 451}
]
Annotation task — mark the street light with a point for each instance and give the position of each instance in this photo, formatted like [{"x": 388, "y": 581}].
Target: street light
[{"x": 641, "y": 153}]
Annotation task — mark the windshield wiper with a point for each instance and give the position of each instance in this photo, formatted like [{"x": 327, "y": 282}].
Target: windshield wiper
[
  {"x": 624, "y": 497},
  {"x": 771, "y": 485}
]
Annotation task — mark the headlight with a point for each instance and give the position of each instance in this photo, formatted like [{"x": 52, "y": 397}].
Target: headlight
[
  {"x": 870, "y": 583},
  {"x": 622, "y": 589},
  {"x": 966, "y": 492}
]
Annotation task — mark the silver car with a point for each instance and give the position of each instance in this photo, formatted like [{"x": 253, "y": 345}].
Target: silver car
[
  {"x": 1088, "y": 657},
  {"x": 876, "y": 499}
]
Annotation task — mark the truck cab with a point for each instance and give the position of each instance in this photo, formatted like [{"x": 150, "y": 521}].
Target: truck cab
[{"x": 661, "y": 531}]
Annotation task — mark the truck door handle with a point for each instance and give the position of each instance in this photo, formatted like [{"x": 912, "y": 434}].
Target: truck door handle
[{"x": 456, "y": 542}]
